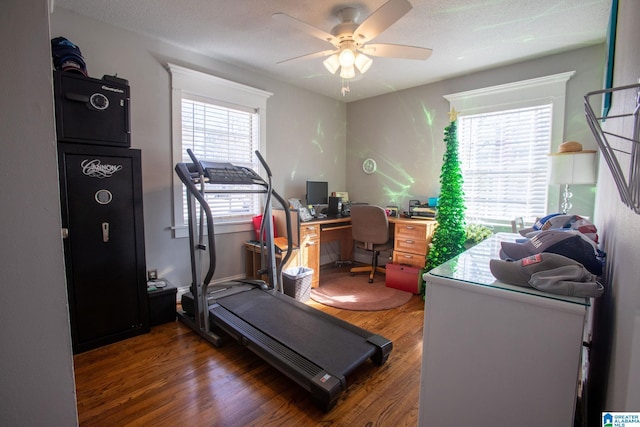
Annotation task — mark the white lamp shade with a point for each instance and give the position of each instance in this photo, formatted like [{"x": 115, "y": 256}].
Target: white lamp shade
[
  {"x": 347, "y": 72},
  {"x": 332, "y": 63},
  {"x": 347, "y": 58},
  {"x": 363, "y": 62},
  {"x": 573, "y": 167}
]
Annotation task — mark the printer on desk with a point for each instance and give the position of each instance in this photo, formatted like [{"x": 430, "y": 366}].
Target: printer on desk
[{"x": 423, "y": 210}]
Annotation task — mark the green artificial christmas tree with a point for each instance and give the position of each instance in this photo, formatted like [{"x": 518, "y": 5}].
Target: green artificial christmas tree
[{"x": 450, "y": 234}]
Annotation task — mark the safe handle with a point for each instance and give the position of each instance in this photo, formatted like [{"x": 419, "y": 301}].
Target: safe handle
[{"x": 105, "y": 232}]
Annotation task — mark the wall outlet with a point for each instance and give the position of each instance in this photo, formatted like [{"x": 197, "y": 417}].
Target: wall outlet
[{"x": 152, "y": 274}]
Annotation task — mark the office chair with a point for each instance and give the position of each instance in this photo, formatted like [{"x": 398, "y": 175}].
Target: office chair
[{"x": 370, "y": 229}]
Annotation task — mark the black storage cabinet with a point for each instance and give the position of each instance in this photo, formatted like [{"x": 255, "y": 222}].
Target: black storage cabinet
[{"x": 102, "y": 220}]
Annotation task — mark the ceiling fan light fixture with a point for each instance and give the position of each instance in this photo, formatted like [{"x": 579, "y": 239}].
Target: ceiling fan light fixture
[
  {"x": 347, "y": 72},
  {"x": 363, "y": 62},
  {"x": 349, "y": 39},
  {"x": 347, "y": 58},
  {"x": 332, "y": 63}
]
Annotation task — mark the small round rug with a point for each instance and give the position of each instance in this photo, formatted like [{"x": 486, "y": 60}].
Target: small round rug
[{"x": 356, "y": 293}]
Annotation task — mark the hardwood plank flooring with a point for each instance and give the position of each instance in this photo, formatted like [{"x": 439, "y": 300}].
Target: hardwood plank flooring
[{"x": 173, "y": 377}]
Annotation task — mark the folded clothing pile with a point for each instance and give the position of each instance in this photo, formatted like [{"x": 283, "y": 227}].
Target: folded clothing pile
[
  {"x": 548, "y": 272},
  {"x": 563, "y": 261}
]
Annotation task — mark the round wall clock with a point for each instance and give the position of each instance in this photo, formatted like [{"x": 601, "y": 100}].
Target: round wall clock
[{"x": 369, "y": 166}]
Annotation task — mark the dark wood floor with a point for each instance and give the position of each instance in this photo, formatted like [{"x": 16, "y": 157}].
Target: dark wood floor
[{"x": 173, "y": 377}]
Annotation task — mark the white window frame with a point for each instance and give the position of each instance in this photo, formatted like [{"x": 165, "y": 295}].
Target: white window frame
[
  {"x": 522, "y": 94},
  {"x": 196, "y": 84}
]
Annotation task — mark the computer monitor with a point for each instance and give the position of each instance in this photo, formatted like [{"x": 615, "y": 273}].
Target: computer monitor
[{"x": 317, "y": 192}]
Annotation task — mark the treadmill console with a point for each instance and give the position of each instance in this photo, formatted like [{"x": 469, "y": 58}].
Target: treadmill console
[{"x": 227, "y": 173}]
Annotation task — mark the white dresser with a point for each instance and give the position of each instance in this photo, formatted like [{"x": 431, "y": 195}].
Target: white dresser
[{"x": 496, "y": 354}]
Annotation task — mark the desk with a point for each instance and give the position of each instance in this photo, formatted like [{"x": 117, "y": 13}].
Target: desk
[
  {"x": 411, "y": 239},
  {"x": 313, "y": 233}
]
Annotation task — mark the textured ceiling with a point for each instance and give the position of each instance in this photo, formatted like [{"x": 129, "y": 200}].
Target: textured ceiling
[{"x": 465, "y": 35}]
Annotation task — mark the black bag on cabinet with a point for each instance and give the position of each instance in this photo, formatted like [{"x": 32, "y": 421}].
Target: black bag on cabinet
[{"x": 92, "y": 111}]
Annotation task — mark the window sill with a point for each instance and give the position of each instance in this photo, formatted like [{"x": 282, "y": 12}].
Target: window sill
[{"x": 180, "y": 232}]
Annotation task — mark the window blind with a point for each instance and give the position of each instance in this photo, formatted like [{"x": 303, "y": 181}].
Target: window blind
[
  {"x": 504, "y": 164},
  {"x": 222, "y": 134}
]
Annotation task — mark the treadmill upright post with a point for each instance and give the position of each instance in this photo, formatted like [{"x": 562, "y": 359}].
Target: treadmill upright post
[
  {"x": 199, "y": 289},
  {"x": 271, "y": 259}
]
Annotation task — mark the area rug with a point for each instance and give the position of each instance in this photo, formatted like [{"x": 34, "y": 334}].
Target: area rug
[{"x": 341, "y": 290}]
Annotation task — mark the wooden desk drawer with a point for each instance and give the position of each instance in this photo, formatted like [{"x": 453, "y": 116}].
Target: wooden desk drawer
[
  {"x": 309, "y": 232},
  {"x": 413, "y": 245},
  {"x": 415, "y": 231},
  {"x": 406, "y": 258}
]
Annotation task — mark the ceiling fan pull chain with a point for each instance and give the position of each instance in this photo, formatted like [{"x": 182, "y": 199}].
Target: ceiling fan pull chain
[{"x": 345, "y": 87}]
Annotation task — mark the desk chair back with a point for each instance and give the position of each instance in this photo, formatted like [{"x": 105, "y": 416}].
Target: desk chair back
[{"x": 370, "y": 226}]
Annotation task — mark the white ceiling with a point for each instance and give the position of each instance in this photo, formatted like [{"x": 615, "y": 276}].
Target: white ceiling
[{"x": 465, "y": 35}]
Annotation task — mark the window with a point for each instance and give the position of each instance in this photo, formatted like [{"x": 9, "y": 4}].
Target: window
[
  {"x": 504, "y": 163},
  {"x": 504, "y": 135},
  {"x": 221, "y": 121}
]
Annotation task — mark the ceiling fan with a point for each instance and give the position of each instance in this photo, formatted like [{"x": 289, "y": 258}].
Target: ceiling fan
[{"x": 350, "y": 39}]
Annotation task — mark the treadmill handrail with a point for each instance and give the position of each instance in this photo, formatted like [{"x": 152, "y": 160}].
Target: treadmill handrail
[{"x": 182, "y": 169}]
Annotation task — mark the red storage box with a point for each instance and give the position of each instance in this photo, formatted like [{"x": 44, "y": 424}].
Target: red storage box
[{"x": 403, "y": 277}]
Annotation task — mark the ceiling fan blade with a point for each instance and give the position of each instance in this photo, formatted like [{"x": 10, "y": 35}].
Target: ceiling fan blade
[
  {"x": 385, "y": 16},
  {"x": 307, "y": 28},
  {"x": 397, "y": 51},
  {"x": 310, "y": 56}
]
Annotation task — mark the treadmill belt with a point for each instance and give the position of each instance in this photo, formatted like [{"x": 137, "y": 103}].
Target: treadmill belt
[{"x": 325, "y": 343}]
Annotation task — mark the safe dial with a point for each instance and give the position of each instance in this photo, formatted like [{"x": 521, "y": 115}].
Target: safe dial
[{"x": 99, "y": 101}]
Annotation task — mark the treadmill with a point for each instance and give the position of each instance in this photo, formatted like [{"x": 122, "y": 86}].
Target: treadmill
[{"x": 311, "y": 347}]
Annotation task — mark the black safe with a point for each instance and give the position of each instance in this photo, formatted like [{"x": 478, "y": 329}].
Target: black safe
[
  {"x": 92, "y": 111},
  {"x": 102, "y": 220}
]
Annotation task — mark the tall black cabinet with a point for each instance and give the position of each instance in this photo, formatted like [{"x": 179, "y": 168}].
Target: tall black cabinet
[{"x": 102, "y": 218}]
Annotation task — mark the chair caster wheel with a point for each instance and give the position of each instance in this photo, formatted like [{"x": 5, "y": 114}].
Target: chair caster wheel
[
  {"x": 353, "y": 274},
  {"x": 370, "y": 280}
]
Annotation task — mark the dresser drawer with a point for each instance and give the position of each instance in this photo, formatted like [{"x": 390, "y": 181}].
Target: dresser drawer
[{"x": 407, "y": 258}]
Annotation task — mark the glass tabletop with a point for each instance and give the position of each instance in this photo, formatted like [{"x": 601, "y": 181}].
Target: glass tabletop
[{"x": 472, "y": 266}]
